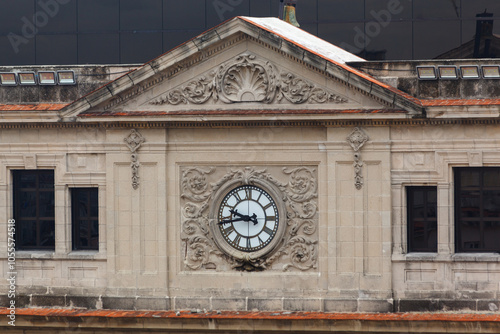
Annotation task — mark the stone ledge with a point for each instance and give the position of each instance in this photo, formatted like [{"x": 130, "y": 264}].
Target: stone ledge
[
  {"x": 446, "y": 305},
  {"x": 253, "y": 304}
]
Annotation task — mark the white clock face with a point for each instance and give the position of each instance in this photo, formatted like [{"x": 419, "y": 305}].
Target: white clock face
[{"x": 248, "y": 218}]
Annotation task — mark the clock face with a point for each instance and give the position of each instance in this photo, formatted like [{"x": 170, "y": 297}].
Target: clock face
[{"x": 248, "y": 218}]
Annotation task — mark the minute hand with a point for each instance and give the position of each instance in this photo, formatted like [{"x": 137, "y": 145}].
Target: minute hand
[{"x": 222, "y": 222}]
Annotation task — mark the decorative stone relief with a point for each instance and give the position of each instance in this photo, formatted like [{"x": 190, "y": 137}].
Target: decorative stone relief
[
  {"x": 134, "y": 141},
  {"x": 297, "y": 187},
  {"x": 249, "y": 79},
  {"x": 357, "y": 140}
]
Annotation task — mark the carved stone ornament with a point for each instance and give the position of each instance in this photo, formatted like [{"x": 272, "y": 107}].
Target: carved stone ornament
[
  {"x": 357, "y": 140},
  {"x": 134, "y": 141},
  {"x": 297, "y": 248},
  {"x": 248, "y": 79}
]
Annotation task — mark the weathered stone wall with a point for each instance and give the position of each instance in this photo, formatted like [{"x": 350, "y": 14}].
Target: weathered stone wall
[
  {"x": 88, "y": 79},
  {"x": 357, "y": 260}
]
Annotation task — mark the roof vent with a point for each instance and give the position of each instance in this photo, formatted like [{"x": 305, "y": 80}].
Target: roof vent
[{"x": 287, "y": 12}]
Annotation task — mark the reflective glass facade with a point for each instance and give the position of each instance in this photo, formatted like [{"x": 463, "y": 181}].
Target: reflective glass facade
[{"x": 131, "y": 31}]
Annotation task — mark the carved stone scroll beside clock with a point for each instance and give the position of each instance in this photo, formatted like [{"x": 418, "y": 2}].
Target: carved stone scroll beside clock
[
  {"x": 248, "y": 78},
  {"x": 249, "y": 218},
  {"x": 357, "y": 140}
]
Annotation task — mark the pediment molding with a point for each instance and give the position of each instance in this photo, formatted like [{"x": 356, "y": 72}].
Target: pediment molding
[{"x": 249, "y": 78}]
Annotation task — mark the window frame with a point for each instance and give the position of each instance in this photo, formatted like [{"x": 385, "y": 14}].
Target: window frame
[
  {"x": 17, "y": 191},
  {"x": 458, "y": 189},
  {"x": 77, "y": 219}
]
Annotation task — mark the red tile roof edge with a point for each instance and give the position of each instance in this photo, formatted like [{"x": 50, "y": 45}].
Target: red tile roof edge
[
  {"x": 33, "y": 107},
  {"x": 279, "y": 315},
  {"x": 344, "y": 66},
  {"x": 459, "y": 102},
  {"x": 240, "y": 112}
]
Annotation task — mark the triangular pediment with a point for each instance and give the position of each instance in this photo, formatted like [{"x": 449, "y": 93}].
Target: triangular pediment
[{"x": 237, "y": 68}]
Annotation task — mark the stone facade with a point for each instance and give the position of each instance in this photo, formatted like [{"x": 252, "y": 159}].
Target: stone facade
[{"x": 336, "y": 149}]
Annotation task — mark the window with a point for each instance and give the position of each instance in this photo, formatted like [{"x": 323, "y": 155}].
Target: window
[
  {"x": 422, "y": 219},
  {"x": 34, "y": 209},
  {"x": 85, "y": 213},
  {"x": 477, "y": 209}
]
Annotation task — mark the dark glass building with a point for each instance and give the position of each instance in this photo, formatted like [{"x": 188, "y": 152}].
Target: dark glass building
[{"x": 39, "y": 32}]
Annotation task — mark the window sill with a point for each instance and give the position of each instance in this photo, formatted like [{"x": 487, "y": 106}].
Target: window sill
[
  {"x": 435, "y": 257},
  {"x": 49, "y": 255}
]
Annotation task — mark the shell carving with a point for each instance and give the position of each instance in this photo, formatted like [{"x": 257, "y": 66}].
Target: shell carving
[
  {"x": 246, "y": 83},
  {"x": 248, "y": 79}
]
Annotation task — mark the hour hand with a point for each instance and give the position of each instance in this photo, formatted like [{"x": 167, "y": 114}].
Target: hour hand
[{"x": 253, "y": 219}]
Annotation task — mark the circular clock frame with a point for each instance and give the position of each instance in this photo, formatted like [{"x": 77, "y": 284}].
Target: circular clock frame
[{"x": 224, "y": 243}]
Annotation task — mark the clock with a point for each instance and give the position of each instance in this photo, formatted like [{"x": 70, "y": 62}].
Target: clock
[{"x": 248, "y": 219}]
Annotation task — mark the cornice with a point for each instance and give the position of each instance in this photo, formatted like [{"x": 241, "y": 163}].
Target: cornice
[{"x": 146, "y": 124}]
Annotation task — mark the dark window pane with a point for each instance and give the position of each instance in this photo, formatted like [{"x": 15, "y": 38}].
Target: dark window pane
[
  {"x": 219, "y": 11},
  {"x": 492, "y": 178},
  {"x": 433, "y": 38},
  {"x": 173, "y": 39},
  {"x": 471, "y": 205},
  {"x": 431, "y": 9},
  {"x": 470, "y": 178},
  {"x": 27, "y": 181},
  {"x": 46, "y": 181},
  {"x": 431, "y": 235},
  {"x": 84, "y": 234},
  {"x": 34, "y": 208},
  {"x": 141, "y": 15},
  {"x": 85, "y": 213},
  {"x": 55, "y": 17},
  {"x": 186, "y": 14},
  {"x": 422, "y": 219},
  {"x": 47, "y": 234},
  {"x": 26, "y": 234},
  {"x": 307, "y": 12},
  {"x": 56, "y": 49},
  {"x": 388, "y": 10},
  {"x": 348, "y": 36},
  {"x": 17, "y": 50},
  {"x": 339, "y": 10},
  {"x": 107, "y": 44},
  {"x": 140, "y": 47},
  {"x": 46, "y": 204},
  {"x": 477, "y": 209},
  {"x": 492, "y": 235},
  {"x": 27, "y": 204},
  {"x": 94, "y": 204},
  {"x": 264, "y": 8},
  {"x": 380, "y": 41},
  {"x": 13, "y": 13},
  {"x": 98, "y": 15},
  {"x": 491, "y": 204},
  {"x": 470, "y": 8},
  {"x": 470, "y": 236}
]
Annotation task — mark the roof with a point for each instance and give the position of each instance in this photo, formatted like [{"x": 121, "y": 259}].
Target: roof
[
  {"x": 275, "y": 33},
  {"x": 304, "y": 39},
  {"x": 33, "y": 107}
]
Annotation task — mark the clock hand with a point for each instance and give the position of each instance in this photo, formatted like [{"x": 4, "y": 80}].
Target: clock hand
[
  {"x": 254, "y": 219},
  {"x": 222, "y": 222}
]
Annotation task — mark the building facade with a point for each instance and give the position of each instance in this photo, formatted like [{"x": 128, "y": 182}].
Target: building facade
[
  {"x": 256, "y": 168},
  {"x": 66, "y": 32}
]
